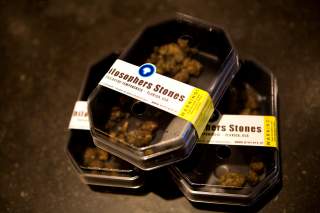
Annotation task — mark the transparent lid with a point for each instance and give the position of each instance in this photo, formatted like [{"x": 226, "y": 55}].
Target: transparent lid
[
  {"x": 96, "y": 166},
  {"x": 234, "y": 174},
  {"x": 93, "y": 160},
  {"x": 183, "y": 48}
]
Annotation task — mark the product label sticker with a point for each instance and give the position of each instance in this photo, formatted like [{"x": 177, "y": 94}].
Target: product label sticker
[
  {"x": 79, "y": 118},
  {"x": 247, "y": 130},
  {"x": 145, "y": 84}
]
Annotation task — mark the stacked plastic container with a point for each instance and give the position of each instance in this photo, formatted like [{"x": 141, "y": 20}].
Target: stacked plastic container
[
  {"x": 200, "y": 176},
  {"x": 175, "y": 138},
  {"x": 95, "y": 166},
  {"x": 197, "y": 169}
]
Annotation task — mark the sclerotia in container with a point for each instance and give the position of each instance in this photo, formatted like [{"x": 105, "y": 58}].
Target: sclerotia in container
[
  {"x": 96, "y": 160},
  {"x": 235, "y": 175},
  {"x": 236, "y": 179},
  {"x": 244, "y": 100},
  {"x": 121, "y": 126},
  {"x": 173, "y": 60}
]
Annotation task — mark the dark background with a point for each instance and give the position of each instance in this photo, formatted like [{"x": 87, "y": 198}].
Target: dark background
[{"x": 46, "y": 47}]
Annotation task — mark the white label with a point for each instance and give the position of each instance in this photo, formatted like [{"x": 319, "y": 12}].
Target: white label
[
  {"x": 246, "y": 130},
  {"x": 79, "y": 118},
  {"x": 144, "y": 84},
  {"x": 155, "y": 89}
]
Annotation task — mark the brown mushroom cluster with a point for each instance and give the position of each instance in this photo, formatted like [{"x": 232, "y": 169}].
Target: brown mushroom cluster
[
  {"x": 175, "y": 60},
  {"x": 232, "y": 179},
  {"x": 251, "y": 101},
  {"x": 256, "y": 170},
  {"x": 96, "y": 158},
  {"x": 98, "y": 161},
  {"x": 123, "y": 127},
  {"x": 236, "y": 179},
  {"x": 242, "y": 99}
]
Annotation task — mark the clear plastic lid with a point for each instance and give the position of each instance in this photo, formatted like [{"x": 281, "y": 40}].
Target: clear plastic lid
[
  {"x": 183, "y": 48},
  {"x": 234, "y": 175},
  {"x": 94, "y": 165},
  {"x": 97, "y": 167}
]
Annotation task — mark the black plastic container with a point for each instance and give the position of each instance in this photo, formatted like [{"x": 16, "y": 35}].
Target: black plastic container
[
  {"x": 198, "y": 177},
  {"x": 121, "y": 174},
  {"x": 175, "y": 138}
]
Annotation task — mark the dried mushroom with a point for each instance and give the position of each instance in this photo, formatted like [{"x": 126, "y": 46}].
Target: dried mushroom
[
  {"x": 232, "y": 179},
  {"x": 96, "y": 164},
  {"x": 252, "y": 178},
  {"x": 252, "y": 103},
  {"x": 149, "y": 126},
  {"x": 102, "y": 155},
  {"x": 96, "y": 158},
  {"x": 256, "y": 170},
  {"x": 121, "y": 128},
  {"x": 89, "y": 155},
  {"x": 175, "y": 60},
  {"x": 242, "y": 99},
  {"x": 139, "y": 137},
  {"x": 257, "y": 166},
  {"x": 92, "y": 156}
]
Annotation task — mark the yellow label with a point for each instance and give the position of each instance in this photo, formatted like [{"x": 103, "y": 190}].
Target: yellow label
[
  {"x": 242, "y": 130},
  {"x": 197, "y": 109},
  {"x": 270, "y": 131}
]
